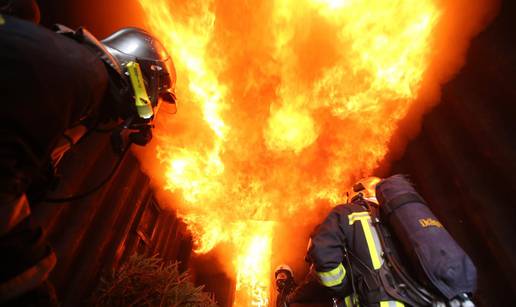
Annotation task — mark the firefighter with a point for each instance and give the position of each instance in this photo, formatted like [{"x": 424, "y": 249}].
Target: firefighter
[
  {"x": 55, "y": 87},
  {"x": 285, "y": 283},
  {"x": 354, "y": 263}
]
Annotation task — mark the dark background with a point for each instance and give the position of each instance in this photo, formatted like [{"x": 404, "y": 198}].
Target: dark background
[
  {"x": 100, "y": 17},
  {"x": 462, "y": 161}
]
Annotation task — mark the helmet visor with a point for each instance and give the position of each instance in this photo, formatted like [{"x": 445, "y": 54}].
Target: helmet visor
[{"x": 159, "y": 82}]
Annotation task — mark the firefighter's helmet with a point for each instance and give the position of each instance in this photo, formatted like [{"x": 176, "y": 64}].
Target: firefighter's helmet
[
  {"x": 365, "y": 187},
  {"x": 283, "y": 268},
  {"x": 148, "y": 66},
  {"x": 284, "y": 277}
]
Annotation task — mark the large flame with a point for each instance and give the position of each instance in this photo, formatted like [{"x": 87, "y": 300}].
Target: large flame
[
  {"x": 282, "y": 105},
  {"x": 253, "y": 263}
]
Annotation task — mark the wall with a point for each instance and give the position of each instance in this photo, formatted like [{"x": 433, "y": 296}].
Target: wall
[
  {"x": 93, "y": 235},
  {"x": 463, "y": 160}
]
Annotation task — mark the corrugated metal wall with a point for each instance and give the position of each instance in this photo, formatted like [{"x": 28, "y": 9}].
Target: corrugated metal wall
[
  {"x": 463, "y": 160},
  {"x": 94, "y": 234}
]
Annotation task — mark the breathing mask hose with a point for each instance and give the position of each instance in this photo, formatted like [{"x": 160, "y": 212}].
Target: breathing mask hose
[
  {"x": 353, "y": 296},
  {"x": 97, "y": 187}
]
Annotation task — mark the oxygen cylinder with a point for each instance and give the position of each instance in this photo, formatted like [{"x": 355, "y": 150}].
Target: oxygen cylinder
[{"x": 431, "y": 250}]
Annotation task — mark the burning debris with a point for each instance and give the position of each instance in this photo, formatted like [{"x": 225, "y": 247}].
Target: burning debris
[{"x": 283, "y": 104}]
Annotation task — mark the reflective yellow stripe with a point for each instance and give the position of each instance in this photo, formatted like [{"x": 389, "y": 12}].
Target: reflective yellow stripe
[
  {"x": 333, "y": 277},
  {"x": 351, "y": 300},
  {"x": 391, "y": 304},
  {"x": 372, "y": 242},
  {"x": 347, "y": 300},
  {"x": 2, "y": 20}
]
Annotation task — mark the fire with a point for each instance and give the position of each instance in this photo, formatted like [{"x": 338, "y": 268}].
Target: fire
[
  {"x": 253, "y": 263},
  {"x": 282, "y": 105}
]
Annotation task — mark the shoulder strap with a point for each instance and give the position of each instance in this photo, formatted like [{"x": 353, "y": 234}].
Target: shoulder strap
[{"x": 392, "y": 274}]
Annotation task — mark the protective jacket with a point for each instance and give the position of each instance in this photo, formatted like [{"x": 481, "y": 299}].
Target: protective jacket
[
  {"x": 348, "y": 229},
  {"x": 389, "y": 250},
  {"x": 48, "y": 83}
]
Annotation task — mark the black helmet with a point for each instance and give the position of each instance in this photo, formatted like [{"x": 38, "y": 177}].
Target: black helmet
[
  {"x": 24, "y": 9},
  {"x": 150, "y": 69}
]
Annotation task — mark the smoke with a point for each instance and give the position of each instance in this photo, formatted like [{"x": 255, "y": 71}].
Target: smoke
[{"x": 461, "y": 21}]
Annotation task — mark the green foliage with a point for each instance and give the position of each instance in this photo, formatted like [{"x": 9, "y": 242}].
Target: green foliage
[{"x": 147, "y": 281}]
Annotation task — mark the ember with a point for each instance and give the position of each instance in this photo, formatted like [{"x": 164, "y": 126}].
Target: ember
[{"x": 282, "y": 104}]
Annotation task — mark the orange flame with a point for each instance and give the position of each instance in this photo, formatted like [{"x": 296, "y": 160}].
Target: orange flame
[{"x": 282, "y": 104}]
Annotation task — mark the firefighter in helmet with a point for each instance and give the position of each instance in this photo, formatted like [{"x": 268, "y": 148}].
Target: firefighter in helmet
[
  {"x": 355, "y": 262},
  {"x": 54, "y": 87},
  {"x": 284, "y": 276}
]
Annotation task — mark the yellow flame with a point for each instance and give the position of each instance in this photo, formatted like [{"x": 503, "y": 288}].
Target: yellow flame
[
  {"x": 290, "y": 129},
  {"x": 194, "y": 169},
  {"x": 253, "y": 265},
  {"x": 282, "y": 104}
]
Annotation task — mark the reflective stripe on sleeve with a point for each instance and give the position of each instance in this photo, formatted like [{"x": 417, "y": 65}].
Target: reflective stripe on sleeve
[
  {"x": 333, "y": 277},
  {"x": 391, "y": 304},
  {"x": 351, "y": 300}
]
